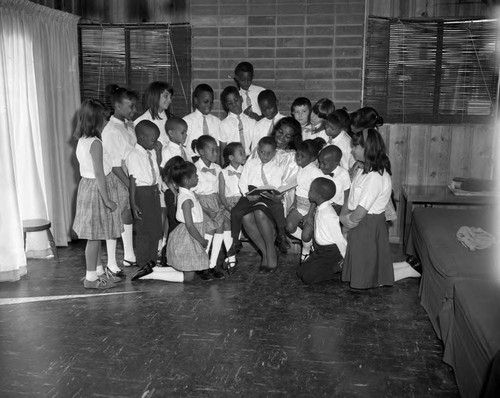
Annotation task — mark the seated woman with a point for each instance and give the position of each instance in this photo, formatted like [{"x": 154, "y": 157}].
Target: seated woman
[{"x": 262, "y": 214}]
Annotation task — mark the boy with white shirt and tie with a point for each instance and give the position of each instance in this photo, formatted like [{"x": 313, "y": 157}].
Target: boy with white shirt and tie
[
  {"x": 243, "y": 76},
  {"x": 236, "y": 127},
  {"x": 144, "y": 173},
  {"x": 200, "y": 121},
  {"x": 269, "y": 106}
]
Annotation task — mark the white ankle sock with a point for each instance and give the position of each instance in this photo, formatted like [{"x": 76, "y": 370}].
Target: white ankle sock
[
  {"x": 216, "y": 246},
  {"x": 91, "y": 276},
  {"x": 228, "y": 242},
  {"x": 405, "y": 272},
  {"x": 100, "y": 270},
  {"x": 114, "y": 267},
  {"x": 111, "y": 250},
  {"x": 209, "y": 238},
  {"x": 128, "y": 244},
  {"x": 306, "y": 247},
  {"x": 167, "y": 274}
]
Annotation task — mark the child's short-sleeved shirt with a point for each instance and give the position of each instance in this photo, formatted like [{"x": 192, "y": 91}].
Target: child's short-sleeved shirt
[
  {"x": 230, "y": 132},
  {"x": 372, "y": 191},
  {"x": 231, "y": 180},
  {"x": 118, "y": 139},
  {"x": 85, "y": 158},
  {"x": 196, "y": 210},
  {"x": 340, "y": 177},
  {"x": 146, "y": 173},
  {"x": 195, "y": 129},
  {"x": 305, "y": 176},
  {"x": 327, "y": 228},
  {"x": 208, "y": 178},
  {"x": 170, "y": 150},
  {"x": 252, "y": 174},
  {"x": 163, "y": 138},
  {"x": 263, "y": 128},
  {"x": 344, "y": 142},
  {"x": 253, "y": 93}
]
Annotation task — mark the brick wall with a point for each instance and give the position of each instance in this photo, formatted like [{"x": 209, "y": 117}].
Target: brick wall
[{"x": 309, "y": 48}]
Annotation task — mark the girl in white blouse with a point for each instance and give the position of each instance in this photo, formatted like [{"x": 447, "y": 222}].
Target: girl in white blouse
[{"x": 368, "y": 260}]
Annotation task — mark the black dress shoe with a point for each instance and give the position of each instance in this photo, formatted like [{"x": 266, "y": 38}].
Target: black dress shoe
[
  {"x": 143, "y": 271},
  {"x": 216, "y": 274},
  {"x": 205, "y": 275},
  {"x": 235, "y": 248},
  {"x": 119, "y": 274},
  {"x": 264, "y": 269},
  {"x": 415, "y": 263},
  {"x": 282, "y": 244}
]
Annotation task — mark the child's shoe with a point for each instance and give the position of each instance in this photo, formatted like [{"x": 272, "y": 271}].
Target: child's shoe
[
  {"x": 99, "y": 283},
  {"x": 235, "y": 248},
  {"x": 114, "y": 276},
  {"x": 216, "y": 273},
  {"x": 205, "y": 275},
  {"x": 143, "y": 271},
  {"x": 282, "y": 243}
]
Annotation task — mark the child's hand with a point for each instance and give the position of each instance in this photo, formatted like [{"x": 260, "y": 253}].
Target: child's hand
[
  {"x": 136, "y": 212},
  {"x": 111, "y": 205},
  {"x": 253, "y": 198},
  {"x": 251, "y": 115},
  {"x": 210, "y": 212},
  {"x": 157, "y": 146},
  {"x": 204, "y": 243},
  {"x": 272, "y": 196}
]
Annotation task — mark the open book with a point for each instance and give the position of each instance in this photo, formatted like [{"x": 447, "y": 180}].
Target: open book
[{"x": 270, "y": 189}]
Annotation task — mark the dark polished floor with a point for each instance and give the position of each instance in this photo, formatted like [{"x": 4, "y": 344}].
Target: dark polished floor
[{"x": 249, "y": 335}]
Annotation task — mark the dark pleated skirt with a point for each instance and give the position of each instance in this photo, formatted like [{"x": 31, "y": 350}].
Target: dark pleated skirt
[{"x": 368, "y": 259}]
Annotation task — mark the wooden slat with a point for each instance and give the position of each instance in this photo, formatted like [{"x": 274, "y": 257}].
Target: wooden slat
[
  {"x": 482, "y": 152},
  {"x": 417, "y": 154},
  {"x": 439, "y": 155},
  {"x": 460, "y": 151}
]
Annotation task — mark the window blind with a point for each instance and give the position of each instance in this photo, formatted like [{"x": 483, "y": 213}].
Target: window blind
[
  {"x": 431, "y": 71},
  {"x": 132, "y": 56}
]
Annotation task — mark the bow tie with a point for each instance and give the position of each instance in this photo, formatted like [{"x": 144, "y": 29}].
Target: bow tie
[
  {"x": 207, "y": 170},
  {"x": 330, "y": 174},
  {"x": 129, "y": 124},
  {"x": 233, "y": 173}
]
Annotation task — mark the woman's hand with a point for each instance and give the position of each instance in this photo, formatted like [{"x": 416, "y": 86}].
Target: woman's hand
[
  {"x": 136, "y": 212},
  {"x": 273, "y": 196},
  {"x": 110, "y": 205},
  {"x": 253, "y": 198}
]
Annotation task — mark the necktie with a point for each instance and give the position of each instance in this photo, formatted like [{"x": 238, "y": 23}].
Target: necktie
[
  {"x": 240, "y": 130},
  {"x": 263, "y": 175},
  {"x": 153, "y": 172},
  {"x": 183, "y": 153},
  {"x": 233, "y": 173},
  {"x": 330, "y": 140},
  {"x": 271, "y": 127},
  {"x": 205, "y": 126},
  {"x": 207, "y": 170},
  {"x": 129, "y": 124},
  {"x": 247, "y": 99}
]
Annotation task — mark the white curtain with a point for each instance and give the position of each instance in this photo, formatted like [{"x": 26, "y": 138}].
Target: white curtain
[{"x": 39, "y": 95}]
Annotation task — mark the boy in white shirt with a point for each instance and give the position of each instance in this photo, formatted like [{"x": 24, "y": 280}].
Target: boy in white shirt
[
  {"x": 236, "y": 127},
  {"x": 329, "y": 164},
  {"x": 144, "y": 174},
  {"x": 337, "y": 136},
  {"x": 325, "y": 262},
  {"x": 243, "y": 76},
  {"x": 200, "y": 121},
  {"x": 269, "y": 106}
]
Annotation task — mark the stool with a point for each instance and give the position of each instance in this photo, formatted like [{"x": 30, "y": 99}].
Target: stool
[{"x": 36, "y": 225}]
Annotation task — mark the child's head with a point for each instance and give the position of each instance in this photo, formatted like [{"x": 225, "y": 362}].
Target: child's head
[
  {"x": 329, "y": 158},
  {"x": 369, "y": 148},
  {"x": 231, "y": 100},
  {"x": 172, "y": 164},
  {"x": 301, "y": 110},
  {"x": 243, "y": 75},
  {"x": 183, "y": 174},
  {"x": 322, "y": 190},
  {"x": 333, "y": 125},
  {"x": 307, "y": 152},
  {"x": 266, "y": 149},
  {"x": 321, "y": 110},
  {"x": 158, "y": 97},
  {"x": 234, "y": 154},
  {"x": 268, "y": 104},
  {"x": 122, "y": 100},
  {"x": 147, "y": 134},
  {"x": 92, "y": 117},
  {"x": 203, "y": 98},
  {"x": 365, "y": 118},
  {"x": 176, "y": 129},
  {"x": 287, "y": 133},
  {"x": 206, "y": 146}
]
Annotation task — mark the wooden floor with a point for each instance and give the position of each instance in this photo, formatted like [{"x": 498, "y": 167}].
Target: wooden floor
[{"x": 249, "y": 335}]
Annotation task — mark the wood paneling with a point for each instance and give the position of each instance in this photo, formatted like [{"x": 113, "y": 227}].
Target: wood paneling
[{"x": 433, "y": 155}]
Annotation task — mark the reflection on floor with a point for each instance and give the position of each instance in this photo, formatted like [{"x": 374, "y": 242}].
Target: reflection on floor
[{"x": 249, "y": 335}]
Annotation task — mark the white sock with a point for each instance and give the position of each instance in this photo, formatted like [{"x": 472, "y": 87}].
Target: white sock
[
  {"x": 306, "y": 247},
  {"x": 100, "y": 270},
  {"x": 405, "y": 272},
  {"x": 128, "y": 244},
  {"x": 111, "y": 250},
  {"x": 401, "y": 264},
  {"x": 114, "y": 268},
  {"x": 228, "y": 242},
  {"x": 91, "y": 276},
  {"x": 216, "y": 246},
  {"x": 167, "y": 274},
  {"x": 209, "y": 238}
]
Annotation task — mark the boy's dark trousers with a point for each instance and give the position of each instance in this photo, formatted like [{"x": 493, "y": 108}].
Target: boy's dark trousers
[
  {"x": 148, "y": 229},
  {"x": 322, "y": 265},
  {"x": 245, "y": 206}
]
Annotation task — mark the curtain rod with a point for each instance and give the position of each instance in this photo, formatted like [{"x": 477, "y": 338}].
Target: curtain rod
[
  {"x": 99, "y": 24},
  {"x": 427, "y": 19}
]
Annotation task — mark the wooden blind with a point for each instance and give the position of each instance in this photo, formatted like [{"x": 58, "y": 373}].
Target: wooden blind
[
  {"x": 431, "y": 71},
  {"x": 133, "y": 56}
]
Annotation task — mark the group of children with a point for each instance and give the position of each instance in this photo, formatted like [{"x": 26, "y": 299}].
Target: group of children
[{"x": 321, "y": 175}]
